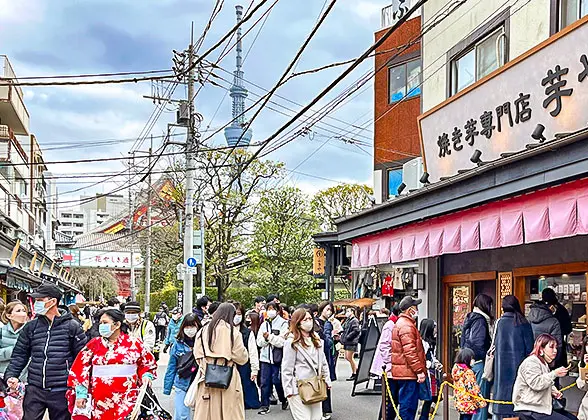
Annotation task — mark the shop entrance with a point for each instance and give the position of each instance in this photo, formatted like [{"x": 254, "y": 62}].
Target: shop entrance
[{"x": 459, "y": 292}]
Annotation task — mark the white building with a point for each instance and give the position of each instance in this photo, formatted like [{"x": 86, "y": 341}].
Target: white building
[{"x": 94, "y": 211}]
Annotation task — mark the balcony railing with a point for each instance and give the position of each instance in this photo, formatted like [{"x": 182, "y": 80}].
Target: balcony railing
[{"x": 12, "y": 107}]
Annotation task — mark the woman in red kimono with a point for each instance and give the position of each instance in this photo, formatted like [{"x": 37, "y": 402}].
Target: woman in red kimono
[{"x": 110, "y": 370}]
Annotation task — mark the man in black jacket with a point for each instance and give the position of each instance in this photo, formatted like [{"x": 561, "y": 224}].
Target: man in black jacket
[{"x": 50, "y": 342}]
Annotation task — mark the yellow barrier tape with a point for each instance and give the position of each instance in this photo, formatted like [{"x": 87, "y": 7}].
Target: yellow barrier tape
[{"x": 442, "y": 386}]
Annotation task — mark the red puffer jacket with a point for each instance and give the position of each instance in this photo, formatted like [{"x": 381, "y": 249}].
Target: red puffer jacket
[{"x": 408, "y": 355}]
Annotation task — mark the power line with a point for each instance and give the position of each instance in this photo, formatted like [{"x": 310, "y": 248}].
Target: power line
[{"x": 76, "y": 76}]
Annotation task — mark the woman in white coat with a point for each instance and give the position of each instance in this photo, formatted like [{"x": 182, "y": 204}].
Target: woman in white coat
[{"x": 304, "y": 358}]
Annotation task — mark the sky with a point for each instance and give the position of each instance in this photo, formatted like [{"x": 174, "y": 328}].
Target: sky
[{"x": 67, "y": 37}]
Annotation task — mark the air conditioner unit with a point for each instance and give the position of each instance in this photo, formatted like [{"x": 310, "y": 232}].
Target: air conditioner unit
[
  {"x": 411, "y": 174},
  {"x": 183, "y": 113}
]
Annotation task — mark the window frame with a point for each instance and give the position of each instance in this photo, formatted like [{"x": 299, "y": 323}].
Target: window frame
[
  {"x": 474, "y": 46},
  {"x": 502, "y": 19},
  {"x": 404, "y": 64},
  {"x": 388, "y": 172},
  {"x": 560, "y": 14}
]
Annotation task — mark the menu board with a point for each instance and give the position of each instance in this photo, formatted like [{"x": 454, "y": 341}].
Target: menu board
[{"x": 460, "y": 301}]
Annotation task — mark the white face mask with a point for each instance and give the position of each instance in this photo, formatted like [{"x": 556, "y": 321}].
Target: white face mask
[
  {"x": 132, "y": 318},
  {"x": 176, "y": 316},
  {"x": 190, "y": 331},
  {"x": 237, "y": 319},
  {"x": 307, "y": 325},
  {"x": 272, "y": 314}
]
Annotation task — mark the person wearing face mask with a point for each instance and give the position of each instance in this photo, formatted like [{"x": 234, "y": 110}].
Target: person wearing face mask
[
  {"x": 142, "y": 329},
  {"x": 14, "y": 318},
  {"x": 325, "y": 332},
  {"x": 534, "y": 390},
  {"x": 408, "y": 358},
  {"x": 249, "y": 370},
  {"x": 106, "y": 376},
  {"x": 350, "y": 338},
  {"x": 173, "y": 328},
  {"x": 304, "y": 358},
  {"x": 48, "y": 345},
  {"x": 271, "y": 341},
  {"x": 175, "y": 379}
]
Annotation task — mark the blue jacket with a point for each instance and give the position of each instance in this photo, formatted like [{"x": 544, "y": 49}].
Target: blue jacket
[
  {"x": 8, "y": 338},
  {"x": 172, "y": 331},
  {"x": 171, "y": 375}
]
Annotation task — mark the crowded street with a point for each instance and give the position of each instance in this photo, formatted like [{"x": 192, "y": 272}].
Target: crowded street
[{"x": 294, "y": 210}]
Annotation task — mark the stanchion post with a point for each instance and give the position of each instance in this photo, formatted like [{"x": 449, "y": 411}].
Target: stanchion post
[{"x": 384, "y": 378}]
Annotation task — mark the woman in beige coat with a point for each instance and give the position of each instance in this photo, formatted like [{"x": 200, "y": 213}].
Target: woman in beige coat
[{"x": 220, "y": 339}]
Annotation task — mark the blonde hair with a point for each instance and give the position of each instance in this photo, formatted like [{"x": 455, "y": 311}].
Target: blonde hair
[{"x": 9, "y": 309}]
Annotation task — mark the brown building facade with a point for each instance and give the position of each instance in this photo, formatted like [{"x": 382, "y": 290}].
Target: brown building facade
[{"x": 397, "y": 104}]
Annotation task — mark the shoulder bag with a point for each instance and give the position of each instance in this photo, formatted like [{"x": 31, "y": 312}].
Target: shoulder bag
[
  {"x": 312, "y": 390},
  {"x": 187, "y": 366},
  {"x": 488, "y": 373},
  {"x": 216, "y": 376}
]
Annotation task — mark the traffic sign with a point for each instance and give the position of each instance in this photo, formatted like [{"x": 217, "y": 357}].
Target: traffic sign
[{"x": 191, "y": 262}]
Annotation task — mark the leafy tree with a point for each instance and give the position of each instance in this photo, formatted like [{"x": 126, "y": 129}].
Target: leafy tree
[
  {"x": 95, "y": 282},
  {"x": 230, "y": 193},
  {"x": 339, "y": 201},
  {"x": 166, "y": 252},
  {"x": 282, "y": 242}
]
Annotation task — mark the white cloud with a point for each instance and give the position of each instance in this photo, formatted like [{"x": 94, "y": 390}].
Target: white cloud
[{"x": 21, "y": 11}]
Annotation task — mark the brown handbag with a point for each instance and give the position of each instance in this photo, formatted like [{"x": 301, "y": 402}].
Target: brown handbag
[{"x": 312, "y": 390}]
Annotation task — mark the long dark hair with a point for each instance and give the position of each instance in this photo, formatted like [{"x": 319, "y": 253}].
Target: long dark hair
[
  {"x": 511, "y": 304},
  {"x": 255, "y": 322},
  {"x": 484, "y": 303},
  {"x": 117, "y": 316},
  {"x": 240, "y": 308},
  {"x": 427, "y": 331},
  {"x": 225, "y": 312},
  {"x": 190, "y": 320}
]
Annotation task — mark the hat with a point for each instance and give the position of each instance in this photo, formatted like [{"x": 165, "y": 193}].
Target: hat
[
  {"x": 176, "y": 310},
  {"x": 408, "y": 302},
  {"x": 132, "y": 306},
  {"x": 548, "y": 296},
  {"x": 47, "y": 290}
]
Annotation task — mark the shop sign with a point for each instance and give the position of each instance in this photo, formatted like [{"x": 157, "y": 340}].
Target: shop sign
[
  {"x": 396, "y": 11},
  {"x": 69, "y": 257},
  {"x": 548, "y": 86},
  {"x": 318, "y": 262},
  {"x": 106, "y": 259}
]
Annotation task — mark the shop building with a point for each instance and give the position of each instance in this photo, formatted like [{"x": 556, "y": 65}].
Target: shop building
[
  {"x": 502, "y": 208},
  {"x": 397, "y": 99}
]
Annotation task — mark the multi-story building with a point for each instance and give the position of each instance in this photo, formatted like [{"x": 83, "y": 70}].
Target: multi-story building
[
  {"x": 503, "y": 204},
  {"x": 94, "y": 211},
  {"x": 397, "y": 103},
  {"x": 72, "y": 223},
  {"x": 26, "y": 231}
]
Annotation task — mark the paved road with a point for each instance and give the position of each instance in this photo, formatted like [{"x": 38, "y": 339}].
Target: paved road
[{"x": 344, "y": 406}]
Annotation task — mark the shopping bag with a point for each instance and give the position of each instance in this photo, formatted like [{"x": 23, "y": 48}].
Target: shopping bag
[{"x": 190, "y": 398}]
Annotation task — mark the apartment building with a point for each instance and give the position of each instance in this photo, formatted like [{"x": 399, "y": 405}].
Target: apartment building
[{"x": 94, "y": 211}]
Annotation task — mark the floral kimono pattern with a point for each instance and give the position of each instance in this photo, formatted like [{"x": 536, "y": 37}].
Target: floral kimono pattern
[
  {"x": 97, "y": 368},
  {"x": 464, "y": 380}
]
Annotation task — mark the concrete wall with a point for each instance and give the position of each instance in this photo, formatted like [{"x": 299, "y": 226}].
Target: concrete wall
[{"x": 529, "y": 25}]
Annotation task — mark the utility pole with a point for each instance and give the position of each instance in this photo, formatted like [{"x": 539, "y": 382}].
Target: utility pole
[
  {"x": 190, "y": 187},
  {"x": 148, "y": 250},
  {"x": 202, "y": 251},
  {"x": 133, "y": 281}
]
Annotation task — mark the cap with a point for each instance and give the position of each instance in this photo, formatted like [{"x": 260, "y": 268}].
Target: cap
[
  {"x": 132, "y": 306},
  {"x": 407, "y": 302},
  {"x": 47, "y": 290},
  {"x": 176, "y": 310}
]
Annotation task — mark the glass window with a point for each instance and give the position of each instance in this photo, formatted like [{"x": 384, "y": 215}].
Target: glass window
[
  {"x": 479, "y": 61},
  {"x": 394, "y": 181},
  {"x": 404, "y": 81},
  {"x": 572, "y": 10}
]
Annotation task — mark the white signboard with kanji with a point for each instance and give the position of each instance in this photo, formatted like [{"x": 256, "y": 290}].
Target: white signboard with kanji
[
  {"x": 104, "y": 259},
  {"x": 548, "y": 86}
]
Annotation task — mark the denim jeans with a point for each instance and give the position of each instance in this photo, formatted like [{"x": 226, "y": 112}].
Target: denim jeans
[
  {"x": 270, "y": 377},
  {"x": 485, "y": 388},
  {"x": 181, "y": 412},
  {"x": 408, "y": 398}
]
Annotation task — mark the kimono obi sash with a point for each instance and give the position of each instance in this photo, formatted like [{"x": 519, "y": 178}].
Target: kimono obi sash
[{"x": 113, "y": 371}]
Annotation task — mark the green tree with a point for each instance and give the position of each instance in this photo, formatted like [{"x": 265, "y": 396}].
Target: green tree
[
  {"x": 95, "y": 282},
  {"x": 230, "y": 192},
  {"x": 339, "y": 201},
  {"x": 282, "y": 243},
  {"x": 166, "y": 252}
]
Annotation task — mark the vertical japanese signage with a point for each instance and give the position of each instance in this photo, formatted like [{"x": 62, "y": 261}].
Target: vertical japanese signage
[
  {"x": 318, "y": 262},
  {"x": 547, "y": 86},
  {"x": 396, "y": 11}
]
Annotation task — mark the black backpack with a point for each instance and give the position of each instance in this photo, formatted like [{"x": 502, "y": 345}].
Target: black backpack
[{"x": 187, "y": 366}]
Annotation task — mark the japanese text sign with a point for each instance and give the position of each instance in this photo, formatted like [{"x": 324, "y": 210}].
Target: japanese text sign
[
  {"x": 92, "y": 258},
  {"x": 548, "y": 86},
  {"x": 318, "y": 262}
]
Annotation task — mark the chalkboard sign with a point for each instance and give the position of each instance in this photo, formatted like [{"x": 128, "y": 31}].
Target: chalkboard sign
[{"x": 366, "y": 357}]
